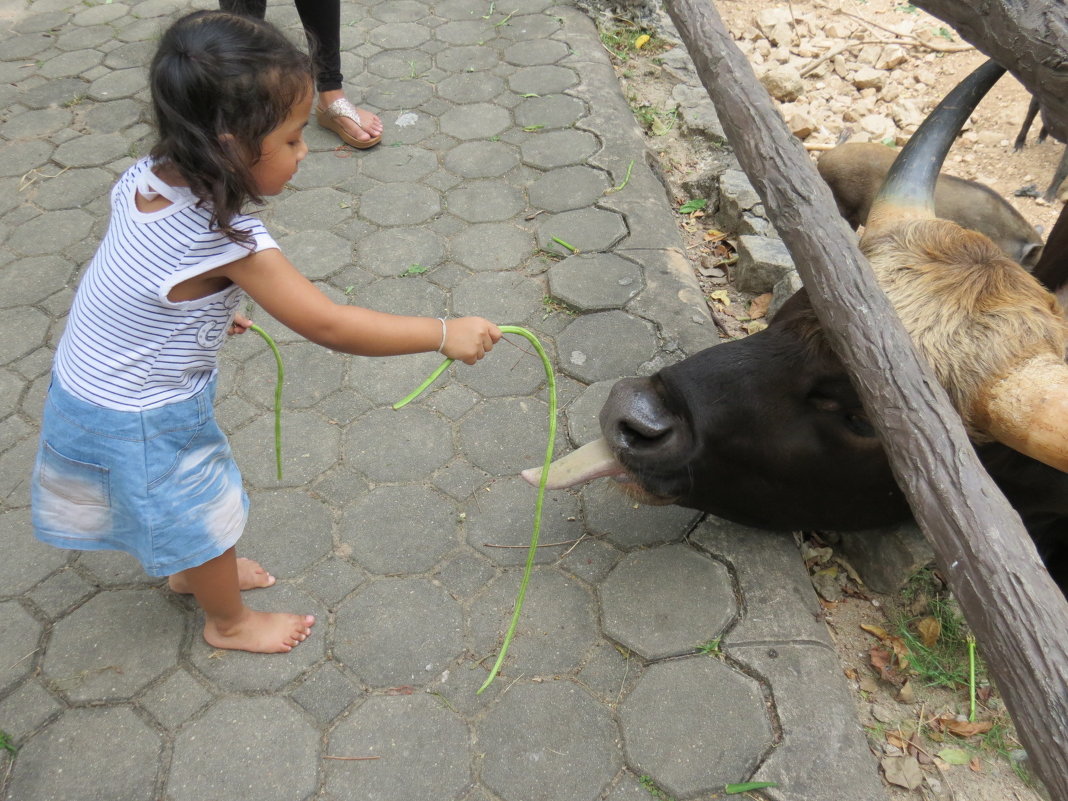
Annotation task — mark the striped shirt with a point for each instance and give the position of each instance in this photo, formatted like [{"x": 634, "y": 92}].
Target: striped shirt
[{"x": 126, "y": 346}]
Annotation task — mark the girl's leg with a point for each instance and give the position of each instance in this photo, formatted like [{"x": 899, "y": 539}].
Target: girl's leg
[
  {"x": 229, "y": 623},
  {"x": 322, "y": 24},
  {"x": 251, "y": 575}
]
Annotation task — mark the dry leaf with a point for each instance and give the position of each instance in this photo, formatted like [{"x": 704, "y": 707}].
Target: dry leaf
[
  {"x": 712, "y": 235},
  {"x": 878, "y": 631},
  {"x": 720, "y": 296},
  {"x": 929, "y": 629},
  {"x": 975, "y": 765},
  {"x": 898, "y": 740},
  {"x": 902, "y": 771},
  {"x": 966, "y": 728},
  {"x": 759, "y": 307},
  {"x": 906, "y": 694}
]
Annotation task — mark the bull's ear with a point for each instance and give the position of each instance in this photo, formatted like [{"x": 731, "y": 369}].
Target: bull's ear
[
  {"x": 908, "y": 191},
  {"x": 1028, "y": 410}
]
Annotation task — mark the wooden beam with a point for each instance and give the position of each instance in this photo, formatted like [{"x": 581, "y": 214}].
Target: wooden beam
[{"x": 1016, "y": 611}]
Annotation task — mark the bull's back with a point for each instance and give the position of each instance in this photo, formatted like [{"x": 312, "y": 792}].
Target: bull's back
[{"x": 855, "y": 172}]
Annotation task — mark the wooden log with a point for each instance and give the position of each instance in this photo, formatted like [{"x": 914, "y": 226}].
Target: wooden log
[
  {"x": 1016, "y": 611},
  {"x": 1027, "y": 37}
]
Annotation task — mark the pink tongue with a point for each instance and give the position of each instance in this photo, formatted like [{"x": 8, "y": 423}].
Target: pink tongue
[{"x": 593, "y": 460}]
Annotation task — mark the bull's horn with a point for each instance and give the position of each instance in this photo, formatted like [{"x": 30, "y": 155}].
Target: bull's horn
[
  {"x": 592, "y": 460},
  {"x": 908, "y": 191},
  {"x": 1028, "y": 410}
]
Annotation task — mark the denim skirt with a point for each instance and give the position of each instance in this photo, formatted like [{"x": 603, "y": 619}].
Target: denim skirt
[{"x": 160, "y": 484}]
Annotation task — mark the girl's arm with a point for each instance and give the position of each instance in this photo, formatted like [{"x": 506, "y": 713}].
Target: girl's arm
[{"x": 283, "y": 292}]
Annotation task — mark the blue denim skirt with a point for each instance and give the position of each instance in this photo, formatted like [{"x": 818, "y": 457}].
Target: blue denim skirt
[{"x": 160, "y": 484}]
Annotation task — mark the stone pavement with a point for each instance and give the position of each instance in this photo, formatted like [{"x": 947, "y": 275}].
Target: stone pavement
[{"x": 660, "y": 654}]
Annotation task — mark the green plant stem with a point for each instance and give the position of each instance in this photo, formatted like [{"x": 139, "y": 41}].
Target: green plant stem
[
  {"x": 533, "y": 549},
  {"x": 277, "y": 397},
  {"x": 971, "y": 678}
]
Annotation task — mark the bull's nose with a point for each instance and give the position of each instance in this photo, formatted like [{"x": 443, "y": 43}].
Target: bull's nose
[{"x": 634, "y": 417}]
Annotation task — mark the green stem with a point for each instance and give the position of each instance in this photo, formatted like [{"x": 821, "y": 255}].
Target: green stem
[
  {"x": 277, "y": 397},
  {"x": 971, "y": 677},
  {"x": 533, "y": 549}
]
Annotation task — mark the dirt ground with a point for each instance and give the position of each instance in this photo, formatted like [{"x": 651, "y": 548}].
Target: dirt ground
[{"x": 920, "y": 60}]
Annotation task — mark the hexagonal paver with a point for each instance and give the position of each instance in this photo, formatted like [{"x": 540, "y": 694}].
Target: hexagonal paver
[
  {"x": 552, "y": 741},
  {"x": 568, "y": 188},
  {"x": 611, "y": 344},
  {"x": 492, "y": 246},
  {"x": 667, "y": 601},
  {"x": 399, "y": 204},
  {"x": 551, "y": 149},
  {"x": 397, "y": 632},
  {"x": 317, "y": 209},
  {"x": 557, "y": 625},
  {"x": 277, "y": 747},
  {"x": 91, "y": 754},
  {"x": 311, "y": 373},
  {"x": 403, "y": 164},
  {"x": 467, "y": 57},
  {"x": 485, "y": 201},
  {"x": 533, "y": 52},
  {"x": 481, "y": 159},
  {"x": 525, "y": 420},
  {"x": 625, "y": 522},
  {"x": 317, "y": 254},
  {"x": 475, "y": 121},
  {"x": 400, "y": 529},
  {"x": 274, "y": 517},
  {"x": 50, "y": 232},
  {"x": 398, "y": 446},
  {"x": 399, "y": 63},
  {"x": 114, "y": 645},
  {"x": 595, "y": 281},
  {"x": 394, "y": 251},
  {"x": 694, "y": 725},
  {"x": 20, "y": 633},
  {"x": 29, "y": 281},
  {"x": 310, "y": 447},
  {"x": 392, "y": 726},
  {"x": 506, "y": 297},
  {"x": 550, "y": 111},
  {"x": 499, "y": 522},
  {"x": 584, "y": 230},
  {"x": 399, "y": 35}
]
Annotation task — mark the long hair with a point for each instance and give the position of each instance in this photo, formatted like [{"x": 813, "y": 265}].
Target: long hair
[{"x": 220, "y": 84}]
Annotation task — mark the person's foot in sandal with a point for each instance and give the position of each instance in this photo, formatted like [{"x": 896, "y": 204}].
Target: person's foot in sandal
[{"x": 354, "y": 126}]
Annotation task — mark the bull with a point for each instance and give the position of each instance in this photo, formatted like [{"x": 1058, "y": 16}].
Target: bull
[
  {"x": 855, "y": 171},
  {"x": 1021, "y": 139},
  {"x": 769, "y": 430}
]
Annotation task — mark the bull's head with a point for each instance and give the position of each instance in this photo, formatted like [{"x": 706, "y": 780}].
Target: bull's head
[{"x": 769, "y": 431}]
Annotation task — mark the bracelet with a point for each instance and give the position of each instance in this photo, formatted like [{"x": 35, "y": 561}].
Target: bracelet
[{"x": 444, "y": 332}]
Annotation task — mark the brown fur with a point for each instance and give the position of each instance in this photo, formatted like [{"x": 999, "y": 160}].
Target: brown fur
[
  {"x": 971, "y": 312},
  {"x": 855, "y": 172}
]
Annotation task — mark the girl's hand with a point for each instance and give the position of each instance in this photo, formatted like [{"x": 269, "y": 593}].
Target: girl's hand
[
  {"x": 240, "y": 325},
  {"x": 468, "y": 339}
]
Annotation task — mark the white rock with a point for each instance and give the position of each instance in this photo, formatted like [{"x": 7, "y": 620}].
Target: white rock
[
  {"x": 783, "y": 83},
  {"x": 867, "y": 77}
]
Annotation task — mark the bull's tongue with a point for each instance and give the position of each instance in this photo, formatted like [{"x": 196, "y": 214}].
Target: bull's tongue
[{"x": 593, "y": 460}]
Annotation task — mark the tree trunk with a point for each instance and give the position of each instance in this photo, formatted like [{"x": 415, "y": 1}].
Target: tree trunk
[
  {"x": 1008, "y": 598},
  {"x": 1027, "y": 37}
]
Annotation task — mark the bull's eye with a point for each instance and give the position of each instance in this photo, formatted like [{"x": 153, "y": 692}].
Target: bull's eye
[{"x": 859, "y": 425}]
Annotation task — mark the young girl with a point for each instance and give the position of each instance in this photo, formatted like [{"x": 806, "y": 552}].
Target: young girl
[{"x": 131, "y": 457}]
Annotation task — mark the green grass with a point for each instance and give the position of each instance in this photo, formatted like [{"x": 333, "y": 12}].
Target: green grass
[{"x": 5, "y": 742}]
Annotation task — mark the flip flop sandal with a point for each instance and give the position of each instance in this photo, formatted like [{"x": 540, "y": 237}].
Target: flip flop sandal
[{"x": 329, "y": 118}]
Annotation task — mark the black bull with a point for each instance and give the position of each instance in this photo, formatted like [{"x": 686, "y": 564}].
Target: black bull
[{"x": 768, "y": 431}]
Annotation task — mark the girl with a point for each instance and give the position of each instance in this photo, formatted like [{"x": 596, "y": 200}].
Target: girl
[{"x": 131, "y": 457}]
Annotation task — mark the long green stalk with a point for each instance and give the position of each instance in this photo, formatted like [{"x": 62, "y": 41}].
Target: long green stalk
[
  {"x": 533, "y": 549},
  {"x": 277, "y": 397}
]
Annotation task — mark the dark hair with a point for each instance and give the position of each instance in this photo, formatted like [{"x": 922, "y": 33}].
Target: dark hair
[{"x": 220, "y": 84}]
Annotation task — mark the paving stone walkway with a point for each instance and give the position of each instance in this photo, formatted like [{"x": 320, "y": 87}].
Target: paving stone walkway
[{"x": 659, "y": 654}]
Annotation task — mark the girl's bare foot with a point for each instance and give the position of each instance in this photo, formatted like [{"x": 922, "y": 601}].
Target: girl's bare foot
[
  {"x": 260, "y": 632},
  {"x": 250, "y": 575}
]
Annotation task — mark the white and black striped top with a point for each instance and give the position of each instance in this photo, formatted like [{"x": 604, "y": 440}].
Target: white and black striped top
[{"x": 126, "y": 346}]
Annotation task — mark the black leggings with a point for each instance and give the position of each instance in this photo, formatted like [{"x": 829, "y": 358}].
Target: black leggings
[{"x": 322, "y": 25}]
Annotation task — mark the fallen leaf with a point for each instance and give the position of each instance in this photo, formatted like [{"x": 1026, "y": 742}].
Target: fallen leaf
[
  {"x": 929, "y": 629},
  {"x": 966, "y": 728},
  {"x": 975, "y": 765},
  {"x": 906, "y": 694},
  {"x": 877, "y": 631},
  {"x": 713, "y": 235},
  {"x": 759, "y": 307},
  {"x": 897, "y": 739},
  {"x": 720, "y": 296},
  {"x": 954, "y": 756},
  {"x": 902, "y": 771}
]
